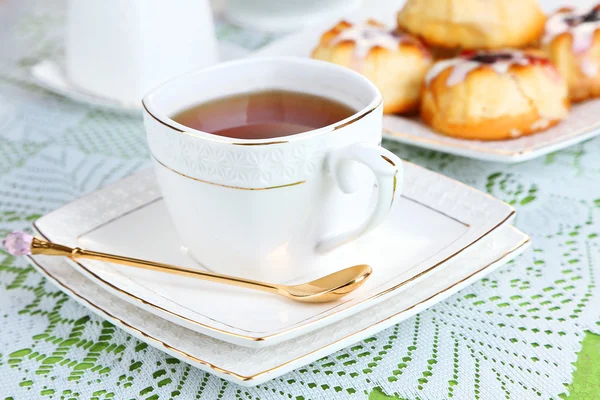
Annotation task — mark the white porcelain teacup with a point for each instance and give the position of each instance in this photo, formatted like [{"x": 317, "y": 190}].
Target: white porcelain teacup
[
  {"x": 264, "y": 208},
  {"x": 286, "y": 15}
]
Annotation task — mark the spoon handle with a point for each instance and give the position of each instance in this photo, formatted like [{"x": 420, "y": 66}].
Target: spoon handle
[{"x": 39, "y": 246}]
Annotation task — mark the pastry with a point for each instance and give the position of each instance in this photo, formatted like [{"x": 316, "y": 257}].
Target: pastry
[
  {"x": 572, "y": 42},
  {"x": 473, "y": 24},
  {"x": 394, "y": 61},
  {"x": 494, "y": 95}
]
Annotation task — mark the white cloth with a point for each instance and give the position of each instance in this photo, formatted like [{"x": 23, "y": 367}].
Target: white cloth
[{"x": 513, "y": 335}]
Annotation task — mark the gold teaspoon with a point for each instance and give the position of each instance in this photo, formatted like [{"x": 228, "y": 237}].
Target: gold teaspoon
[{"x": 327, "y": 288}]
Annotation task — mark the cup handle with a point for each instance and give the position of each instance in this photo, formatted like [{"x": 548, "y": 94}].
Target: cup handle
[{"x": 386, "y": 167}]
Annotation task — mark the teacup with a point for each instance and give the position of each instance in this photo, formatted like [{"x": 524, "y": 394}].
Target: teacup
[
  {"x": 265, "y": 208},
  {"x": 286, "y": 15}
]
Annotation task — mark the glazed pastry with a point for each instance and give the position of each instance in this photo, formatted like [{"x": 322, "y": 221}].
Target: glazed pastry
[
  {"x": 473, "y": 24},
  {"x": 494, "y": 95},
  {"x": 394, "y": 61},
  {"x": 572, "y": 42}
]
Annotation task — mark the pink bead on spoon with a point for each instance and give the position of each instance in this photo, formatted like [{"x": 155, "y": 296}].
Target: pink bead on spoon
[{"x": 18, "y": 243}]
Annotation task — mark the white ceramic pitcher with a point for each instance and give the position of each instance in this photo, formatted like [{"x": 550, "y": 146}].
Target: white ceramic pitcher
[{"x": 122, "y": 49}]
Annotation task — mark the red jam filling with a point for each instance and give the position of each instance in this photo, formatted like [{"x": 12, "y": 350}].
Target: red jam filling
[
  {"x": 493, "y": 57},
  {"x": 592, "y": 16}
]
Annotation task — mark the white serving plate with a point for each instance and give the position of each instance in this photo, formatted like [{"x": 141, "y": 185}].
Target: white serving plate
[
  {"x": 583, "y": 122},
  {"x": 434, "y": 220},
  {"x": 247, "y": 366}
]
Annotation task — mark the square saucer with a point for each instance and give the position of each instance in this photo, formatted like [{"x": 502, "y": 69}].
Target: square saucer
[
  {"x": 434, "y": 220},
  {"x": 583, "y": 122},
  {"x": 51, "y": 75},
  {"x": 249, "y": 367}
]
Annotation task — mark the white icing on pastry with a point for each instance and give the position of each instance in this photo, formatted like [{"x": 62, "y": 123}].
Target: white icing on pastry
[
  {"x": 514, "y": 132},
  {"x": 440, "y": 67},
  {"x": 581, "y": 25},
  {"x": 588, "y": 66},
  {"x": 540, "y": 124},
  {"x": 462, "y": 65},
  {"x": 367, "y": 37}
]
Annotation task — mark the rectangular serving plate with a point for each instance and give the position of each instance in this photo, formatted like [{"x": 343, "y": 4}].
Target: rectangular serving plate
[{"x": 583, "y": 122}]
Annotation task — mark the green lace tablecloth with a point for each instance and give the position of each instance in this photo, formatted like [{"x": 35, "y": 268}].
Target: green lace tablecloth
[{"x": 516, "y": 334}]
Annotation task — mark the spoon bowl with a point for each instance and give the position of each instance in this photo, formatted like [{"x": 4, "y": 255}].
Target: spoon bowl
[{"x": 329, "y": 287}]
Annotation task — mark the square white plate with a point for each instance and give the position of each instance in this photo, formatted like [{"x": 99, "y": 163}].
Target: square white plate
[
  {"x": 582, "y": 123},
  {"x": 248, "y": 367},
  {"x": 435, "y": 219}
]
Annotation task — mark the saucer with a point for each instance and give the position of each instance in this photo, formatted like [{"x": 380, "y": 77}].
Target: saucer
[
  {"x": 434, "y": 220},
  {"x": 583, "y": 122},
  {"x": 249, "y": 367},
  {"x": 51, "y": 76}
]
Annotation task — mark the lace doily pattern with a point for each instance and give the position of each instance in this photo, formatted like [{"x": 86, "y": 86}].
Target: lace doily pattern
[{"x": 514, "y": 334}]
